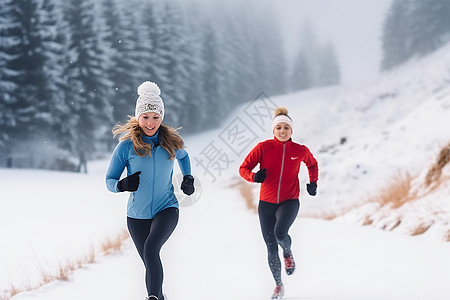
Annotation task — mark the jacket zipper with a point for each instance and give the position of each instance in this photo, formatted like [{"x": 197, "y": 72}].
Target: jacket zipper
[
  {"x": 281, "y": 174},
  {"x": 153, "y": 183}
]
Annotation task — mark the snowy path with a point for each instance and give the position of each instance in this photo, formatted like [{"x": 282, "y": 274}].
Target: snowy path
[{"x": 217, "y": 253}]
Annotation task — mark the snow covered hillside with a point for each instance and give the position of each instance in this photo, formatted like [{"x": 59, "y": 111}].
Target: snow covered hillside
[
  {"x": 366, "y": 137},
  {"x": 362, "y": 136}
]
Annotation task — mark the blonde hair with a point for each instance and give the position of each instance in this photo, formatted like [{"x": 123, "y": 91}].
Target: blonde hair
[{"x": 169, "y": 136}]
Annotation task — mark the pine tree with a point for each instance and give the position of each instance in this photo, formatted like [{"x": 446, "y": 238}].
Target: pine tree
[
  {"x": 193, "y": 114},
  {"x": 328, "y": 67},
  {"x": 9, "y": 41},
  {"x": 120, "y": 42},
  {"x": 213, "y": 77},
  {"x": 431, "y": 25},
  {"x": 87, "y": 86},
  {"x": 396, "y": 37},
  {"x": 315, "y": 64},
  {"x": 301, "y": 74},
  {"x": 178, "y": 63},
  {"x": 414, "y": 28},
  {"x": 154, "y": 49},
  {"x": 229, "y": 63},
  {"x": 240, "y": 62},
  {"x": 270, "y": 46},
  {"x": 27, "y": 93},
  {"x": 53, "y": 69}
]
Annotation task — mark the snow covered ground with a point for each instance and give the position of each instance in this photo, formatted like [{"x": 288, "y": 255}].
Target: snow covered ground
[
  {"x": 361, "y": 135},
  {"x": 335, "y": 261},
  {"x": 217, "y": 252}
]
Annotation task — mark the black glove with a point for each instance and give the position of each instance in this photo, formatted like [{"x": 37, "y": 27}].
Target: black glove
[
  {"x": 260, "y": 176},
  {"x": 187, "y": 186},
  {"x": 312, "y": 188},
  {"x": 130, "y": 183}
]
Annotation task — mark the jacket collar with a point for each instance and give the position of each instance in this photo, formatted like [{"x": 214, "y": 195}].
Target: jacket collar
[
  {"x": 288, "y": 141},
  {"x": 154, "y": 140}
]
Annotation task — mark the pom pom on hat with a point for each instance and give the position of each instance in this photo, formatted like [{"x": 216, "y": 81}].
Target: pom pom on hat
[
  {"x": 281, "y": 116},
  {"x": 280, "y": 111},
  {"x": 149, "y": 100},
  {"x": 148, "y": 87}
]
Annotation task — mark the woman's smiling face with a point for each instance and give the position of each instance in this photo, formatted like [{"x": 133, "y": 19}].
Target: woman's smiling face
[
  {"x": 149, "y": 123},
  {"x": 282, "y": 131}
]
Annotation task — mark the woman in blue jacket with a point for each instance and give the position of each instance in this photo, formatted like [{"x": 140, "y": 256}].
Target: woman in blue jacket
[{"x": 147, "y": 150}]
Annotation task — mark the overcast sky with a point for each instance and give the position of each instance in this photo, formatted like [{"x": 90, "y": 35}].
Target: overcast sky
[{"x": 353, "y": 26}]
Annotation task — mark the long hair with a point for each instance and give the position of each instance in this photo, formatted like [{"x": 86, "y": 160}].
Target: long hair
[{"x": 170, "y": 138}]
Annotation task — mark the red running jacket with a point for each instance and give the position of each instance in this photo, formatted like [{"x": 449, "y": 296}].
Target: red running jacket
[{"x": 282, "y": 161}]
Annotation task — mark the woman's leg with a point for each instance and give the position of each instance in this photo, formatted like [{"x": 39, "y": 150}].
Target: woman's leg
[
  {"x": 267, "y": 219},
  {"x": 285, "y": 214},
  {"x": 139, "y": 229},
  {"x": 160, "y": 229}
]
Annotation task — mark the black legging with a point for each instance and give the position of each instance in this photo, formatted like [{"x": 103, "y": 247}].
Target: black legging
[
  {"x": 148, "y": 236},
  {"x": 275, "y": 220}
]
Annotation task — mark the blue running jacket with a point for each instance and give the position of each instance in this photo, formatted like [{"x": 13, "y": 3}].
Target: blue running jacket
[{"x": 155, "y": 191}]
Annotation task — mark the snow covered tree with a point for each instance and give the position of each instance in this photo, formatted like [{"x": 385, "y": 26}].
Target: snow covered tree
[
  {"x": 156, "y": 51},
  {"x": 119, "y": 37},
  {"x": 240, "y": 59},
  {"x": 315, "y": 64},
  {"x": 53, "y": 69},
  {"x": 430, "y": 28},
  {"x": 396, "y": 35},
  {"x": 8, "y": 42},
  {"x": 272, "y": 64},
  {"x": 414, "y": 28},
  {"x": 193, "y": 114},
  {"x": 179, "y": 63},
  {"x": 86, "y": 92},
  {"x": 329, "y": 72},
  {"x": 301, "y": 74},
  {"x": 29, "y": 49},
  {"x": 213, "y": 76}
]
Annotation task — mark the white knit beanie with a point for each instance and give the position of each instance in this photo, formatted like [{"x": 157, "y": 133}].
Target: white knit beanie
[
  {"x": 149, "y": 100},
  {"x": 281, "y": 115}
]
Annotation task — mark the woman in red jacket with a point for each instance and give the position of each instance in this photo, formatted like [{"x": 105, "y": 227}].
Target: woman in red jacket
[{"x": 279, "y": 165}]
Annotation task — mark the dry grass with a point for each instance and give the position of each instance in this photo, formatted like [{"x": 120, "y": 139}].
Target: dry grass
[
  {"x": 113, "y": 245},
  {"x": 396, "y": 225},
  {"x": 434, "y": 173},
  {"x": 328, "y": 216},
  {"x": 14, "y": 291},
  {"x": 367, "y": 221},
  {"x": 109, "y": 246},
  {"x": 397, "y": 192},
  {"x": 245, "y": 188},
  {"x": 421, "y": 229}
]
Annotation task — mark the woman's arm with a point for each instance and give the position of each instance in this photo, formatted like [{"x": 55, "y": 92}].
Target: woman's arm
[
  {"x": 250, "y": 162},
  {"x": 183, "y": 161},
  {"x": 313, "y": 168},
  {"x": 116, "y": 166}
]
